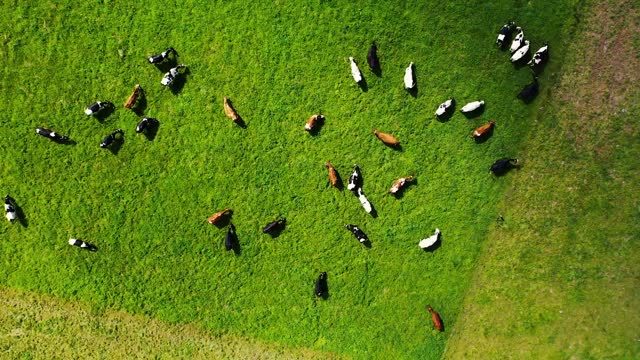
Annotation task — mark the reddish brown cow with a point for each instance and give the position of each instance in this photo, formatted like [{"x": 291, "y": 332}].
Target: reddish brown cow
[
  {"x": 483, "y": 130},
  {"x": 388, "y": 139},
  {"x": 398, "y": 184},
  {"x": 134, "y": 97},
  {"x": 437, "y": 322},
  {"x": 333, "y": 174},
  {"x": 215, "y": 218},
  {"x": 313, "y": 121},
  {"x": 230, "y": 111}
]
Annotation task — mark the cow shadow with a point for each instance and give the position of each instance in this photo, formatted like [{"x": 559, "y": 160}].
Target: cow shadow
[
  {"x": 141, "y": 104},
  {"x": 316, "y": 129},
  {"x": 539, "y": 69},
  {"x": 224, "y": 220},
  {"x": 240, "y": 122},
  {"x": 340, "y": 184},
  {"x": 485, "y": 137},
  {"x": 168, "y": 64},
  {"x": 475, "y": 113},
  {"x": 102, "y": 115},
  {"x": 374, "y": 212},
  {"x": 523, "y": 61},
  {"x": 65, "y": 142},
  {"x": 528, "y": 99},
  {"x": 414, "y": 90},
  {"x": 22, "y": 219},
  {"x": 506, "y": 171},
  {"x": 435, "y": 245},
  {"x": 377, "y": 71},
  {"x": 179, "y": 82},
  {"x": 397, "y": 147},
  {"x": 363, "y": 84},
  {"x": 446, "y": 116},
  {"x": 367, "y": 244},
  {"x": 116, "y": 146},
  {"x": 151, "y": 131}
]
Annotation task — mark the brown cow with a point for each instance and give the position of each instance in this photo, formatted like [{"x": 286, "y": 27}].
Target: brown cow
[
  {"x": 333, "y": 174},
  {"x": 314, "y": 120},
  {"x": 215, "y": 218},
  {"x": 388, "y": 139},
  {"x": 437, "y": 322},
  {"x": 230, "y": 111},
  {"x": 483, "y": 130},
  {"x": 398, "y": 184},
  {"x": 134, "y": 97}
]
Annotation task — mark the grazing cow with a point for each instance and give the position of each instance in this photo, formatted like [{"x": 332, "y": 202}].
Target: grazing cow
[
  {"x": 10, "y": 208},
  {"x": 435, "y": 318},
  {"x": 355, "y": 178},
  {"x": 398, "y": 184},
  {"x": 51, "y": 135},
  {"x": 133, "y": 97},
  {"x": 364, "y": 201},
  {"x": 529, "y": 91},
  {"x": 409, "y": 77},
  {"x": 372, "y": 58},
  {"x": 82, "y": 244},
  {"x": 170, "y": 76},
  {"x": 96, "y": 107},
  {"x": 146, "y": 123},
  {"x": 217, "y": 217},
  {"x": 231, "y": 112},
  {"x": 503, "y": 165},
  {"x": 111, "y": 138},
  {"x": 445, "y": 107},
  {"x": 517, "y": 41},
  {"x": 504, "y": 33},
  {"x": 274, "y": 226},
  {"x": 333, "y": 174},
  {"x": 521, "y": 53},
  {"x": 357, "y": 232},
  {"x": 428, "y": 242},
  {"x": 472, "y": 106},
  {"x": 321, "y": 287},
  {"x": 540, "y": 56},
  {"x": 388, "y": 139},
  {"x": 231, "y": 239},
  {"x": 314, "y": 120},
  {"x": 355, "y": 71},
  {"x": 156, "y": 59},
  {"x": 483, "y": 130}
]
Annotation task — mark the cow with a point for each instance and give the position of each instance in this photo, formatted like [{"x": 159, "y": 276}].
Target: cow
[
  {"x": 111, "y": 138},
  {"x": 483, "y": 130},
  {"x": 10, "y": 208},
  {"x": 355, "y": 180},
  {"x": 409, "y": 77},
  {"x": 156, "y": 59},
  {"x": 357, "y": 232},
  {"x": 321, "y": 287},
  {"x": 504, "y": 34},
  {"x": 363, "y": 200},
  {"x": 521, "y": 53},
  {"x": 435, "y": 318},
  {"x": 445, "y": 107},
  {"x": 231, "y": 239},
  {"x": 230, "y": 111},
  {"x": 137, "y": 90},
  {"x": 355, "y": 71},
  {"x": 82, "y": 244},
  {"x": 170, "y": 76},
  {"x": 50, "y": 134},
  {"x": 540, "y": 56},
  {"x": 529, "y": 92},
  {"x": 388, "y": 139},
  {"x": 313, "y": 121},
  {"x": 428, "y": 242},
  {"x": 501, "y": 166},
  {"x": 372, "y": 58},
  {"x": 472, "y": 106},
  {"x": 517, "y": 41},
  {"x": 334, "y": 179},
  {"x": 398, "y": 184},
  {"x": 275, "y": 226},
  {"x": 146, "y": 123},
  {"x": 219, "y": 216},
  {"x": 96, "y": 107}
]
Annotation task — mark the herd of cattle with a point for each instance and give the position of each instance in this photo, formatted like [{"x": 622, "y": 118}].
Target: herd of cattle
[{"x": 520, "y": 53}]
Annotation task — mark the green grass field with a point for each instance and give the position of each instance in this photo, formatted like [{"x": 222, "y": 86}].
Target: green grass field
[{"x": 146, "y": 206}]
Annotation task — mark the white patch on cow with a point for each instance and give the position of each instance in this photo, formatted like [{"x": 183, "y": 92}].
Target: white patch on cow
[
  {"x": 355, "y": 71},
  {"x": 88, "y": 111},
  {"x": 501, "y": 37},
  {"x": 72, "y": 241}
]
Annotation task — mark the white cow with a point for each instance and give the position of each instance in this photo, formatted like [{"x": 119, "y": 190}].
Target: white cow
[
  {"x": 444, "y": 107},
  {"x": 355, "y": 71},
  {"x": 428, "y": 242},
  {"x": 409, "y": 77},
  {"x": 472, "y": 106},
  {"x": 517, "y": 41},
  {"x": 363, "y": 200},
  {"x": 521, "y": 52}
]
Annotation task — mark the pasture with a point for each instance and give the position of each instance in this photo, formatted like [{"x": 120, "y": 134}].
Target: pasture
[{"x": 145, "y": 207}]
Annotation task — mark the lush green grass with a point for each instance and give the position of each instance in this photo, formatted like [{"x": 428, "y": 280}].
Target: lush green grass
[
  {"x": 559, "y": 278},
  {"x": 145, "y": 208}
]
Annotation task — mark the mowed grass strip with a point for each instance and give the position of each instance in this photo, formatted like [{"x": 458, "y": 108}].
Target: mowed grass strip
[
  {"x": 559, "y": 278},
  {"x": 145, "y": 208}
]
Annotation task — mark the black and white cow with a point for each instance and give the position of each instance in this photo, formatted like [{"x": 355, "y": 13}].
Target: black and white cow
[
  {"x": 501, "y": 166},
  {"x": 170, "y": 76},
  {"x": 520, "y": 53},
  {"x": 355, "y": 180},
  {"x": 10, "y": 208},
  {"x": 357, "y": 232},
  {"x": 83, "y": 245},
  {"x": 111, "y": 138},
  {"x": 529, "y": 91},
  {"x": 96, "y": 107},
  {"x": 146, "y": 123},
  {"x": 321, "y": 287},
  {"x": 540, "y": 56},
  {"x": 504, "y": 34},
  {"x": 51, "y": 135},
  {"x": 156, "y": 59},
  {"x": 231, "y": 239},
  {"x": 517, "y": 41}
]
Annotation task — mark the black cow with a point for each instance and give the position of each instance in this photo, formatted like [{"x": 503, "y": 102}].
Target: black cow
[
  {"x": 504, "y": 35},
  {"x": 83, "y": 245},
  {"x": 321, "y": 287},
  {"x": 357, "y": 232},
  {"x": 355, "y": 180},
  {"x": 146, "y": 123},
  {"x": 501, "y": 166},
  {"x": 111, "y": 138},
  {"x": 372, "y": 58},
  {"x": 274, "y": 226},
  {"x": 51, "y": 135},
  {"x": 529, "y": 92},
  {"x": 96, "y": 107},
  {"x": 156, "y": 59},
  {"x": 231, "y": 239},
  {"x": 10, "y": 208}
]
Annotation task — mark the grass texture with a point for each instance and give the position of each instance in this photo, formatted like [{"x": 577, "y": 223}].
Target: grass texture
[{"x": 145, "y": 207}]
